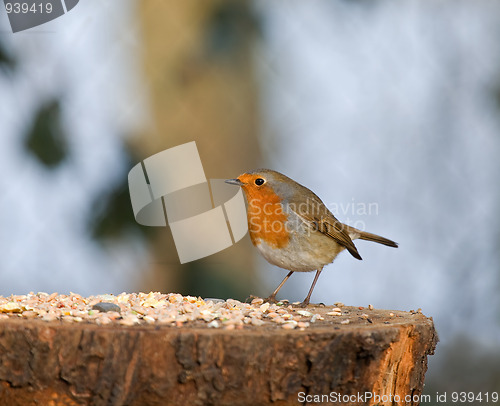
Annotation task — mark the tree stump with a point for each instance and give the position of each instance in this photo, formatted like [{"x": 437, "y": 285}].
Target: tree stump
[{"x": 377, "y": 352}]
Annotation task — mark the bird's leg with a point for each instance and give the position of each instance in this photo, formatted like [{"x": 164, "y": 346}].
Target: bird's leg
[
  {"x": 308, "y": 297},
  {"x": 272, "y": 298}
]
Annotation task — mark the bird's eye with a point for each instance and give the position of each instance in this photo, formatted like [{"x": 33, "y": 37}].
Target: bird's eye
[{"x": 259, "y": 181}]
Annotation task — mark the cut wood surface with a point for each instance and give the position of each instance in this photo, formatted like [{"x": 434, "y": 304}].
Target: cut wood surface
[{"x": 59, "y": 363}]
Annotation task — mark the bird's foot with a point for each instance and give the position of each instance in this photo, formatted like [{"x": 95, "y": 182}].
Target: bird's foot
[
  {"x": 303, "y": 304},
  {"x": 270, "y": 299}
]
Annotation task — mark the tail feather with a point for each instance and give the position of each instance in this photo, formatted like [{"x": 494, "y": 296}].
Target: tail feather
[{"x": 363, "y": 235}]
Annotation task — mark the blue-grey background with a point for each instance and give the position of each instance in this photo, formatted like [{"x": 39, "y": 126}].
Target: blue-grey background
[{"x": 393, "y": 104}]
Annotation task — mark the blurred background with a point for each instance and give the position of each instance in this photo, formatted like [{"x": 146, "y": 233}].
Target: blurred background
[{"x": 388, "y": 110}]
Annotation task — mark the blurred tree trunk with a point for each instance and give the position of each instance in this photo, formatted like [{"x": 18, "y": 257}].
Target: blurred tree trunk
[{"x": 197, "y": 60}]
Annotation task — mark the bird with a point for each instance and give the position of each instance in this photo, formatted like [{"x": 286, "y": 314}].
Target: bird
[{"x": 293, "y": 229}]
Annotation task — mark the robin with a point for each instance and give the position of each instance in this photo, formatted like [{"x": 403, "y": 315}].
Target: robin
[{"x": 292, "y": 228}]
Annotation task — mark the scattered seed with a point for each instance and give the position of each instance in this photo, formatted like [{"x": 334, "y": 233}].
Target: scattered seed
[
  {"x": 174, "y": 310},
  {"x": 214, "y": 300},
  {"x": 129, "y": 320},
  {"x": 103, "y": 320},
  {"x": 257, "y": 301},
  {"x": 316, "y": 317},
  {"x": 335, "y": 312},
  {"x": 11, "y": 307},
  {"x": 289, "y": 325},
  {"x": 52, "y": 297},
  {"x": 256, "y": 322},
  {"x": 264, "y": 307},
  {"x": 304, "y": 313},
  {"x": 149, "y": 319},
  {"x": 49, "y": 317}
]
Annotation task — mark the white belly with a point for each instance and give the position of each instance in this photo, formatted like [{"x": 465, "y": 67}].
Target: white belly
[{"x": 302, "y": 254}]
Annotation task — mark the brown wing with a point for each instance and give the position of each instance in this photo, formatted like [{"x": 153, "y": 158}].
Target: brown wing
[
  {"x": 315, "y": 212},
  {"x": 335, "y": 229}
]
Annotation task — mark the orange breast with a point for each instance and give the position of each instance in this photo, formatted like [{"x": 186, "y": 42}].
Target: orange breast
[{"x": 266, "y": 219}]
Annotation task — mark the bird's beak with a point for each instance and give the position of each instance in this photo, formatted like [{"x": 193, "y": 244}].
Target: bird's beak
[{"x": 236, "y": 182}]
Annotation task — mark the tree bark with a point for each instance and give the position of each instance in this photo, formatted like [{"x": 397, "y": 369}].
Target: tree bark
[{"x": 57, "y": 363}]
